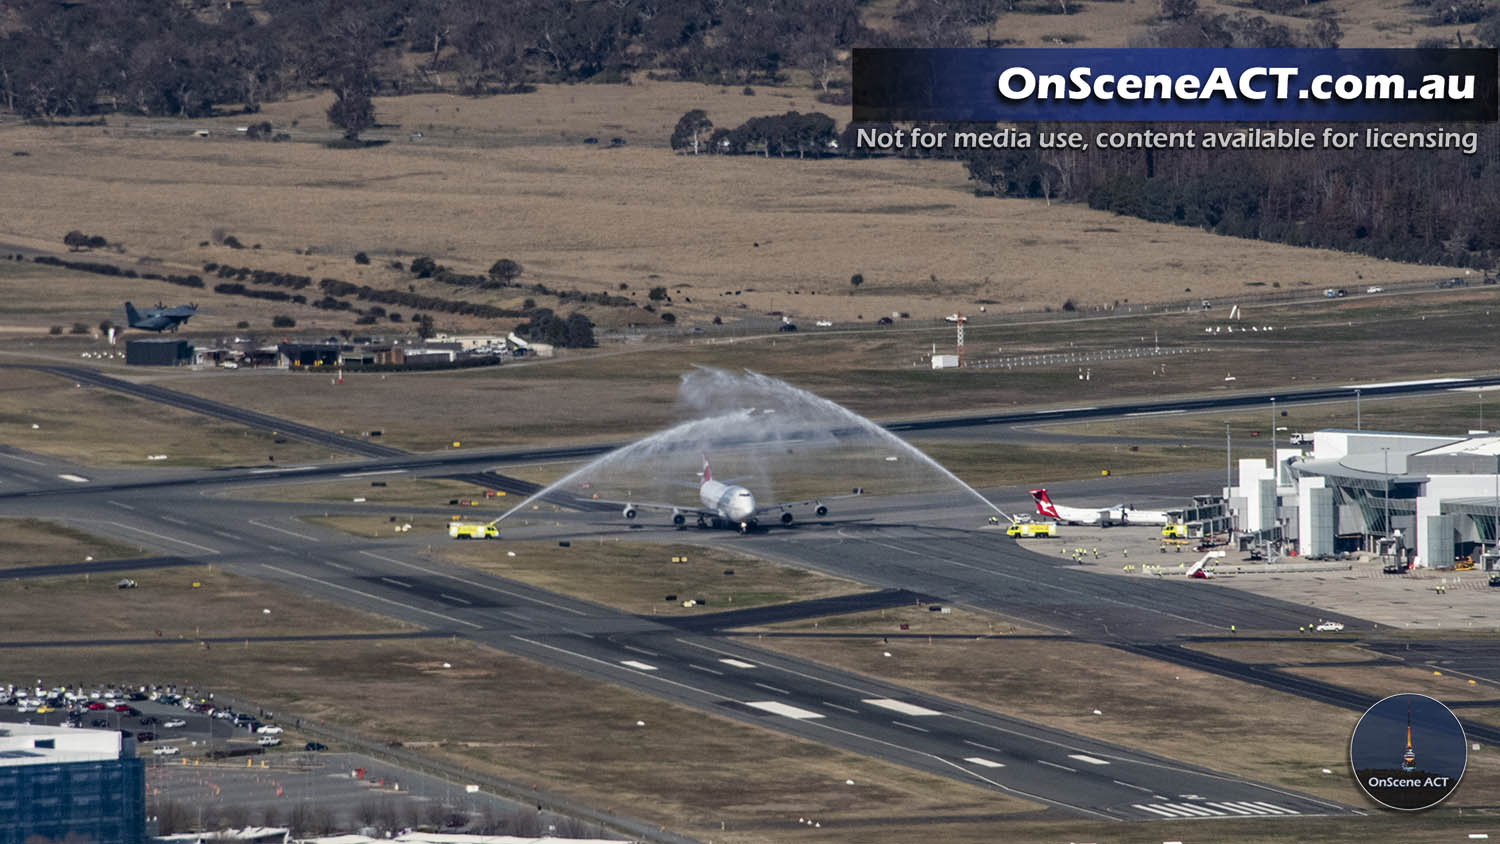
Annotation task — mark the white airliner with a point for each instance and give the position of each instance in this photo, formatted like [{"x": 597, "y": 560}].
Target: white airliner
[
  {"x": 1120, "y": 514},
  {"x": 730, "y": 505}
]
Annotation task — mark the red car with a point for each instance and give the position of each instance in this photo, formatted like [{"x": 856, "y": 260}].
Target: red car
[
  {"x": 127, "y": 709},
  {"x": 94, "y": 704}
]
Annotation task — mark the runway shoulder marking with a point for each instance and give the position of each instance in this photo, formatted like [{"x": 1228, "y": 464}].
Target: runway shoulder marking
[
  {"x": 737, "y": 663},
  {"x": 901, "y": 706},
  {"x": 983, "y": 762},
  {"x": 1089, "y": 759},
  {"x": 638, "y": 665},
  {"x": 777, "y": 708}
]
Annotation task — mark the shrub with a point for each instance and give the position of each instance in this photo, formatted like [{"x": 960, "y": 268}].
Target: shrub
[
  {"x": 668, "y": 317},
  {"x": 658, "y": 294},
  {"x": 361, "y": 258},
  {"x": 857, "y": 279},
  {"x": 78, "y": 328},
  {"x": 283, "y": 321},
  {"x": 1069, "y": 305},
  {"x": 506, "y": 270},
  {"x": 56, "y": 329},
  {"x": 242, "y": 324}
]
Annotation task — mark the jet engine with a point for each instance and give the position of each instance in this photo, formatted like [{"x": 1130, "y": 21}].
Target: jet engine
[
  {"x": 628, "y": 512},
  {"x": 786, "y": 518},
  {"x": 822, "y": 510},
  {"x": 678, "y": 519}
]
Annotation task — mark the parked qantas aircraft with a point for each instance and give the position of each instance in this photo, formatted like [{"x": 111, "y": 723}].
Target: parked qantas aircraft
[
  {"x": 730, "y": 505},
  {"x": 1120, "y": 514}
]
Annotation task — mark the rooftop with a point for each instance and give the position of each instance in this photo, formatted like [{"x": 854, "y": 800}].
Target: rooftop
[{"x": 26, "y": 744}]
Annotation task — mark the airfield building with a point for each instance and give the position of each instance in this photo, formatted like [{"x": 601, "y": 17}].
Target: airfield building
[
  {"x": 60, "y": 783},
  {"x": 1423, "y": 498},
  {"x": 158, "y": 351}
]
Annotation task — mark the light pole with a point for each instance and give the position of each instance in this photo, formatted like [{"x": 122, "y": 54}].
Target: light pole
[
  {"x": 1356, "y": 410},
  {"x": 1227, "y": 463},
  {"x": 1275, "y": 475}
]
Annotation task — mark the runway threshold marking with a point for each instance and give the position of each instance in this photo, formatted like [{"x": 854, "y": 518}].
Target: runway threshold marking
[
  {"x": 983, "y": 762},
  {"x": 373, "y": 597},
  {"x": 1236, "y": 809},
  {"x": 282, "y": 530},
  {"x": 784, "y": 710},
  {"x": 901, "y": 706},
  {"x": 737, "y": 663},
  {"x": 638, "y": 665},
  {"x": 1089, "y": 759},
  {"x": 473, "y": 583}
]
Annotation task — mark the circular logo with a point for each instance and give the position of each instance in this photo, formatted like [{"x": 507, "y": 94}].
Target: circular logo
[{"x": 1408, "y": 752}]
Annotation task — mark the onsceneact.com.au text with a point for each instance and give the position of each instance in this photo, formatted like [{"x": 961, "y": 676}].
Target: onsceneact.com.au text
[{"x": 1254, "y": 83}]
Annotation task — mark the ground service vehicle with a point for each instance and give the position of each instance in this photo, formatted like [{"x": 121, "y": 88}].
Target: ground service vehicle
[
  {"x": 462, "y": 530},
  {"x": 1174, "y": 531},
  {"x": 1032, "y": 530}
]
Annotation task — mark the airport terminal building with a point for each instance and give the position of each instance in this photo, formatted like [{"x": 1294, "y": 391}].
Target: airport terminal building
[
  {"x": 1423, "y": 498},
  {"x": 62, "y": 783}
]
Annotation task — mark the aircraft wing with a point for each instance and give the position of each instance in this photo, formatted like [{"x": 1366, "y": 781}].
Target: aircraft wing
[
  {"x": 813, "y": 503},
  {"x": 657, "y": 507}
]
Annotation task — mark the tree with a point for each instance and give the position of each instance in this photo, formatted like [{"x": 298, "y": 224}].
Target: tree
[
  {"x": 424, "y": 326},
  {"x": 692, "y": 132},
  {"x": 424, "y": 267},
  {"x": 506, "y": 270},
  {"x": 1178, "y": 9},
  {"x": 352, "y": 41},
  {"x": 857, "y": 279},
  {"x": 580, "y": 332},
  {"x": 361, "y": 258},
  {"x": 668, "y": 317},
  {"x": 76, "y": 240},
  {"x": 657, "y": 294}
]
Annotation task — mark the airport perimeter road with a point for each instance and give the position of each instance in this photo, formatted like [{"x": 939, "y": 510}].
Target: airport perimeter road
[{"x": 1069, "y": 773}]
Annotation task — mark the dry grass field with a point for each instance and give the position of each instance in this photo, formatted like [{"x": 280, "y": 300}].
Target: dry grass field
[
  {"x": 165, "y": 604},
  {"x": 34, "y": 542},
  {"x": 98, "y": 427},
  {"x": 1282, "y": 739},
  {"x": 768, "y": 235},
  {"x": 637, "y": 577}
]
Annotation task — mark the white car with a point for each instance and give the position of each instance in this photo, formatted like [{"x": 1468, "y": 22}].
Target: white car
[
  {"x": 268, "y": 741},
  {"x": 824, "y": 323},
  {"x": 270, "y": 730},
  {"x": 164, "y": 750},
  {"x": 174, "y": 723},
  {"x": 1329, "y": 627},
  {"x": 1374, "y": 288}
]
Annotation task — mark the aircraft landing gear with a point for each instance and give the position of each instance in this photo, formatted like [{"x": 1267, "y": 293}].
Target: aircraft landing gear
[{"x": 702, "y": 523}]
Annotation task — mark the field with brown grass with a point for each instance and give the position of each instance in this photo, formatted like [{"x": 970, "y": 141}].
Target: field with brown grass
[
  {"x": 98, "y": 427},
  {"x": 35, "y": 542},
  {"x": 512, "y": 178}
]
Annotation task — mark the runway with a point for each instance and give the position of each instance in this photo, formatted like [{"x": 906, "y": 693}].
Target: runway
[{"x": 698, "y": 668}]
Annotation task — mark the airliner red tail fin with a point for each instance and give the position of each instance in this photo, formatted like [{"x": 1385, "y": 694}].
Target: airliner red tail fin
[
  {"x": 1043, "y": 503},
  {"x": 707, "y": 476}
]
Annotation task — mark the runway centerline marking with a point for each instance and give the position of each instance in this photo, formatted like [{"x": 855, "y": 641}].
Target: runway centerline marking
[
  {"x": 375, "y": 597},
  {"x": 174, "y": 520},
  {"x": 227, "y": 535},
  {"x": 771, "y": 688},
  {"x": 456, "y": 598},
  {"x": 901, "y": 706},
  {"x": 375, "y": 472},
  {"x": 702, "y": 668},
  {"x": 598, "y": 661},
  {"x": 1136, "y": 787},
  {"x": 283, "y": 530},
  {"x": 24, "y": 459},
  {"x": 911, "y": 726},
  {"x": 391, "y": 580},
  {"x": 340, "y": 566},
  {"x": 163, "y": 536},
  {"x": 1055, "y": 765},
  {"x": 640, "y": 650},
  {"x": 778, "y": 708},
  {"x": 985, "y": 746},
  {"x": 121, "y": 505},
  {"x": 849, "y": 709}
]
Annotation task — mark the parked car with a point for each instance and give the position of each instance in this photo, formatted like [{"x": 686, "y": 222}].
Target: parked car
[
  {"x": 174, "y": 723},
  {"x": 270, "y": 730},
  {"x": 165, "y": 750},
  {"x": 268, "y": 741},
  {"x": 1374, "y": 288},
  {"x": 1329, "y": 627},
  {"x": 885, "y": 320},
  {"x": 315, "y": 745},
  {"x": 788, "y": 326},
  {"x": 98, "y": 704},
  {"x": 145, "y": 735}
]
